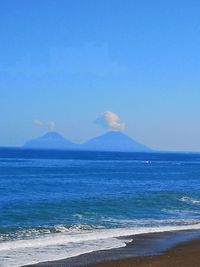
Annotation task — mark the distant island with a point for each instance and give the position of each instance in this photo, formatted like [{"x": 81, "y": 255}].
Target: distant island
[{"x": 112, "y": 141}]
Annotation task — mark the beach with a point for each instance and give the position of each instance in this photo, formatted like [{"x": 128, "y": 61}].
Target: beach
[
  {"x": 175, "y": 248},
  {"x": 184, "y": 255}
]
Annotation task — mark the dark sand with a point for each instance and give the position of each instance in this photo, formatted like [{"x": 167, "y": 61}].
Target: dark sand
[
  {"x": 168, "y": 249},
  {"x": 185, "y": 255}
]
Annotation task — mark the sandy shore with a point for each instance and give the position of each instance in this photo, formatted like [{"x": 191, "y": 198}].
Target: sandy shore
[
  {"x": 168, "y": 249},
  {"x": 185, "y": 255}
]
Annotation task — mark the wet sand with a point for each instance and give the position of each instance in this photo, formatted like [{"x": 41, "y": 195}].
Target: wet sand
[
  {"x": 168, "y": 249},
  {"x": 185, "y": 255}
]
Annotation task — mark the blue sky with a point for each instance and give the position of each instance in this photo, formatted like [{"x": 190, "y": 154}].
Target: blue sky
[{"x": 69, "y": 61}]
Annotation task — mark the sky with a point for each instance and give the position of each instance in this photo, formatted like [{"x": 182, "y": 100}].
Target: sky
[{"x": 65, "y": 63}]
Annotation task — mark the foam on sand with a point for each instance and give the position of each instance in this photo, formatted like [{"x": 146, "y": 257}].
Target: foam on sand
[{"x": 64, "y": 245}]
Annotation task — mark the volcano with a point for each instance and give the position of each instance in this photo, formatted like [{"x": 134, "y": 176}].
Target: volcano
[
  {"x": 51, "y": 140},
  {"x": 115, "y": 141}
]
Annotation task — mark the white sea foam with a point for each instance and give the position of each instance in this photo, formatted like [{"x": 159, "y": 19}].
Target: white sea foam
[
  {"x": 190, "y": 200},
  {"x": 64, "y": 245}
]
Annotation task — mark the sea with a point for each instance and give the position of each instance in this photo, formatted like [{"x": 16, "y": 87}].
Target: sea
[{"x": 59, "y": 204}]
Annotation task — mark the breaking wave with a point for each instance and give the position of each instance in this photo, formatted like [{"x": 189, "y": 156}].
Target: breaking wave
[{"x": 67, "y": 243}]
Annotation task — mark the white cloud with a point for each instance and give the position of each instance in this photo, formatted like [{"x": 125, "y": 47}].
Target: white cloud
[
  {"x": 49, "y": 124},
  {"x": 110, "y": 121},
  {"x": 38, "y": 122}
]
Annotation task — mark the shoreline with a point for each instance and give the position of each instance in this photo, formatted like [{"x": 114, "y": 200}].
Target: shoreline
[
  {"x": 186, "y": 254},
  {"x": 151, "y": 248}
]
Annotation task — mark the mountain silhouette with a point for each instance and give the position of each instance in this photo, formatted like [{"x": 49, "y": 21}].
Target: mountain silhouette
[
  {"x": 51, "y": 140},
  {"x": 111, "y": 141},
  {"x": 115, "y": 141}
]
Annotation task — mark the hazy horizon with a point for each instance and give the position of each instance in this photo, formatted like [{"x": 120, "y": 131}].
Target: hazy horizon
[{"x": 152, "y": 150}]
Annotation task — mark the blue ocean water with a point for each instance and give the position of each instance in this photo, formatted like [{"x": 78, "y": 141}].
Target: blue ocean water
[{"x": 59, "y": 193}]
